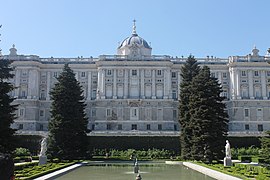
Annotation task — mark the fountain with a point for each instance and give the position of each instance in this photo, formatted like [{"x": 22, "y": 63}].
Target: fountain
[
  {"x": 136, "y": 166},
  {"x": 42, "y": 154}
]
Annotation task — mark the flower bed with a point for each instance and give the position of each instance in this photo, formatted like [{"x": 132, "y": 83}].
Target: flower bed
[{"x": 32, "y": 170}]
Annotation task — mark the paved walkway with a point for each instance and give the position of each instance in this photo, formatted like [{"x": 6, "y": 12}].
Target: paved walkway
[
  {"x": 25, "y": 162},
  {"x": 61, "y": 171},
  {"x": 210, "y": 172}
]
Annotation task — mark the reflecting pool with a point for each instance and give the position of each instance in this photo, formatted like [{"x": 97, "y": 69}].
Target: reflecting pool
[{"x": 122, "y": 171}]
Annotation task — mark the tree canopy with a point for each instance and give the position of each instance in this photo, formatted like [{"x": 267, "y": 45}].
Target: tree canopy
[
  {"x": 68, "y": 125},
  {"x": 202, "y": 114},
  {"x": 188, "y": 71},
  {"x": 7, "y": 108}
]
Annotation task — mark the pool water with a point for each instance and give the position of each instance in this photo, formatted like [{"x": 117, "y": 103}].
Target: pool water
[{"x": 119, "y": 171}]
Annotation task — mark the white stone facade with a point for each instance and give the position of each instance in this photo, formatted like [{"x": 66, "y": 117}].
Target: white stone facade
[{"x": 135, "y": 91}]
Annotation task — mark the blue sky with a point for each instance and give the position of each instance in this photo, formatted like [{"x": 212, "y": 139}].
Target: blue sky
[{"x": 71, "y": 28}]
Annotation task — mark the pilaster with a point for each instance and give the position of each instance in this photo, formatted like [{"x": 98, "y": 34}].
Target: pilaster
[
  {"x": 153, "y": 84},
  {"x": 89, "y": 87},
  {"x": 250, "y": 84},
  {"x": 263, "y": 83}
]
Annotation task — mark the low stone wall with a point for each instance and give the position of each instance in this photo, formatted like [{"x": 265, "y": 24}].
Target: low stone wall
[{"x": 210, "y": 172}]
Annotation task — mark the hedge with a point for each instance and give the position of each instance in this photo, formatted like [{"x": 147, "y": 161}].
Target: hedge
[{"x": 32, "y": 142}]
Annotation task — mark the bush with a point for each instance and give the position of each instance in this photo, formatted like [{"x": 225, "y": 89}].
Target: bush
[
  {"x": 18, "y": 152},
  {"x": 246, "y": 159}
]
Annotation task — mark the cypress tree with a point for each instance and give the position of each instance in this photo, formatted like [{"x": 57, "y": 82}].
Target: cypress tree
[
  {"x": 68, "y": 125},
  {"x": 7, "y": 116},
  {"x": 188, "y": 71},
  {"x": 208, "y": 117},
  {"x": 265, "y": 144}
]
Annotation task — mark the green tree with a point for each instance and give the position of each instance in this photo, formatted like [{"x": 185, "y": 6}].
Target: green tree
[
  {"x": 67, "y": 138},
  {"x": 7, "y": 116},
  {"x": 208, "y": 116},
  {"x": 188, "y": 71},
  {"x": 265, "y": 145}
]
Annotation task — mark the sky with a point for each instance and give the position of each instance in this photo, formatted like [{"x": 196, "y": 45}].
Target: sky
[{"x": 72, "y": 28}]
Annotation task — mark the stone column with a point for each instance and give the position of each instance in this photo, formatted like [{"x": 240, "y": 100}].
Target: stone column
[
  {"x": 238, "y": 93},
  {"x": 263, "y": 83},
  {"x": 142, "y": 84},
  {"x": 178, "y": 84},
  {"x": 153, "y": 85},
  {"x": 101, "y": 84},
  {"x": 165, "y": 87},
  {"x": 233, "y": 83},
  {"x": 126, "y": 83},
  {"x": 89, "y": 87},
  {"x": 17, "y": 83},
  {"x": 250, "y": 84},
  {"x": 33, "y": 84},
  {"x": 114, "y": 84},
  {"x": 48, "y": 86},
  {"x": 220, "y": 76}
]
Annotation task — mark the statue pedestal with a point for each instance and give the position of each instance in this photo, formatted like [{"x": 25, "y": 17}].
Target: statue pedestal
[
  {"x": 42, "y": 160},
  {"x": 227, "y": 161}
]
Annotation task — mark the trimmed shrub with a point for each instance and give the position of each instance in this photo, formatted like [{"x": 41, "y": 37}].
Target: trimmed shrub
[{"x": 246, "y": 159}]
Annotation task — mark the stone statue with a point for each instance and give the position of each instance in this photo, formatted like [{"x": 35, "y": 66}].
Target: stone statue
[
  {"x": 227, "y": 159},
  {"x": 43, "y": 148},
  {"x": 228, "y": 149},
  {"x": 42, "y": 154}
]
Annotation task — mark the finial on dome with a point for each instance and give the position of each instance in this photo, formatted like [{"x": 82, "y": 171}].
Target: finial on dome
[
  {"x": 134, "y": 28},
  {"x": 255, "y": 51}
]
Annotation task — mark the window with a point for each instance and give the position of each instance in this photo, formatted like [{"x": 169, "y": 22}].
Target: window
[
  {"x": 109, "y": 112},
  {"x": 119, "y": 127},
  {"x": 83, "y": 74},
  {"x": 20, "y": 126},
  {"x": 134, "y": 112},
  {"x": 55, "y": 74},
  {"x": 246, "y": 112},
  {"x": 174, "y": 113},
  {"x": 41, "y": 127},
  {"x": 42, "y": 96},
  {"x": 243, "y": 73},
  {"x": 268, "y": 73},
  {"x": 23, "y": 93},
  {"x": 134, "y": 72},
  {"x": 21, "y": 112},
  {"x": 159, "y": 72},
  {"x": 159, "y": 126},
  {"x": 173, "y": 74},
  {"x": 224, "y": 75},
  {"x": 134, "y": 127},
  {"x": 259, "y": 112},
  {"x": 109, "y": 126},
  {"x": 93, "y": 127},
  {"x": 94, "y": 112},
  {"x": 109, "y": 72},
  {"x": 41, "y": 113},
  {"x": 174, "y": 95},
  {"x": 260, "y": 127},
  {"x": 24, "y": 73},
  {"x": 148, "y": 127},
  {"x": 246, "y": 126},
  {"x": 175, "y": 127},
  {"x": 256, "y": 73}
]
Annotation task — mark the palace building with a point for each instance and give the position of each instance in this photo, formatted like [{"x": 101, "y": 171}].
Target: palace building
[{"x": 135, "y": 92}]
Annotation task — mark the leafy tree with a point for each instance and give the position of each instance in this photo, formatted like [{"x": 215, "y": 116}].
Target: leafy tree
[
  {"x": 209, "y": 120},
  {"x": 68, "y": 125},
  {"x": 188, "y": 71},
  {"x": 265, "y": 144},
  {"x": 7, "y": 116}
]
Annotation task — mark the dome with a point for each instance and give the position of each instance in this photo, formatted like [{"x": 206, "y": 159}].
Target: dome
[
  {"x": 134, "y": 45},
  {"x": 134, "y": 39}
]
